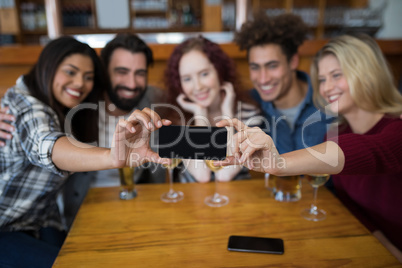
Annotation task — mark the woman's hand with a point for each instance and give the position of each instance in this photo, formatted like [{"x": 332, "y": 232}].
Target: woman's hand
[
  {"x": 200, "y": 113},
  {"x": 131, "y": 139},
  {"x": 190, "y": 106},
  {"x": 251, "y": 148},
  {"x": 228, "y": 100}
]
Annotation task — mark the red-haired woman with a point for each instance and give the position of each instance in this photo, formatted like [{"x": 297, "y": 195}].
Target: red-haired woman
[{"x": 202, "y": 81}]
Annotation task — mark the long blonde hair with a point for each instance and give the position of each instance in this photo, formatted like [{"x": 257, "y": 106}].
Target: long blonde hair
[{"x": 370, "y": 81}]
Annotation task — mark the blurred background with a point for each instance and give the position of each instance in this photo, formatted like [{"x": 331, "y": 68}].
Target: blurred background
[{"x": 35, "y": 21}]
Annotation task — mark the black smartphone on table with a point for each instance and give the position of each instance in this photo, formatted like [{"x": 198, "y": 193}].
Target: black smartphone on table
[
  {"x": 256, "y": 244},
  {"x": 192, "y": 142}
]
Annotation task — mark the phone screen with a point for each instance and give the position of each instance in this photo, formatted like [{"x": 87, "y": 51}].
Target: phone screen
[
  {"x": 191, "y": 142},
  {"x": 256, "y": 244}
]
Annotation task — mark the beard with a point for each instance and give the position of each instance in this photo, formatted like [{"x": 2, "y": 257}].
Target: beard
[{"x": 124, "y": 103}]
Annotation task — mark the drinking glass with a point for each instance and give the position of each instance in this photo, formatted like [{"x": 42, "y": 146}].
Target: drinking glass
[
  {"x": 267, "y": 181},
  {"x": 215, "y": 200},
  {"x": 127, "y": 185},
  {"x": 285, "y": 188},
  {"x": 172, "y": 196},
  {"x": 313, "y": 213},
  {"x": 269, "y": 184}
]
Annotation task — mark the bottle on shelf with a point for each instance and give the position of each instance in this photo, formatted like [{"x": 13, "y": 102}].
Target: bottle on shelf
[
  {"x": 77, "y": 15},
  {"x": 187, "y": 16},
  {"x": 40, "y": 16},
  {"x": 28, "y": 17}
]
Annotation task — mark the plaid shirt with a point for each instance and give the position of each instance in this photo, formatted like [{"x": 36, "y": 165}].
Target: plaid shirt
[{"x": 29, "y": 181}]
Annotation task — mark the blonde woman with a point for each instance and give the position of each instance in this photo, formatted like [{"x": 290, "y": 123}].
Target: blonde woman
[{"x": 351, "y": 79}]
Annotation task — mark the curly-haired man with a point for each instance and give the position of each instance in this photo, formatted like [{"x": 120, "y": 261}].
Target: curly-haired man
[{"x": 283, "y": 92}]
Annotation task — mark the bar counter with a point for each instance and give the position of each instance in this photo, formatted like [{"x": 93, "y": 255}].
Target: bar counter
[{"x": 145, "y": 232}]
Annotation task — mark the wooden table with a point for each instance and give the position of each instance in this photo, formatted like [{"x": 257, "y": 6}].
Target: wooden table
[{"x": 145, "y": 232}]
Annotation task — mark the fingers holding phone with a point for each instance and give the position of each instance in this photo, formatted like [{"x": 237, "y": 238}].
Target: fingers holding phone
[
  {"x": 131, "y": 139},
  {"x": 252, "y": 147}
]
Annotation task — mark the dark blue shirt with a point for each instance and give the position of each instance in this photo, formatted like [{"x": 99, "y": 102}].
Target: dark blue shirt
[{"x": 310, "y": 127}]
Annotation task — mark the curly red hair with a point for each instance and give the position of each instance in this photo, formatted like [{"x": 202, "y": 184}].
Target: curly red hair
[{"x": 223, "y": 64}]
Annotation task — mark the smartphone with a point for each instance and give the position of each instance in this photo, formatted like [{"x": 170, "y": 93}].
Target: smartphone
[
  {"x": 191, "y": 142},
  {"x": 256, "y": 244}
]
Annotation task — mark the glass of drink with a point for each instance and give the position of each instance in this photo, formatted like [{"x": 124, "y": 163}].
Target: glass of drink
[
  {"x": 285, "y": 188},
  {"x": 127, "y": 185},
  {"x": 313, "y": 213},
  {"x": 269, "y": 183},
  {"x": 172, "y": 196},
  {"x": 215, "y": 200}
]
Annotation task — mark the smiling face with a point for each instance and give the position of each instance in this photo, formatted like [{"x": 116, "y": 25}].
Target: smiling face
[
  {"x": 334, "y": 87},
  {"x": 73, "y": 80},
  {"x": 128, "y": 75},
  {"x": 199, "y": 78},
  {"x": 270, "y": 71}
]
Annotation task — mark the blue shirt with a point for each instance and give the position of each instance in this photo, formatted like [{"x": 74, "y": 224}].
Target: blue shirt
[{"x": 310, "y": 127}]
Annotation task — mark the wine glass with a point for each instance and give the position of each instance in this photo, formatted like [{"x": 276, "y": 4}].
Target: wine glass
[
  {"x": 215, "y": 200},
  {"x": 172, "y": 196},
  {"x": 313, "y": 213}
]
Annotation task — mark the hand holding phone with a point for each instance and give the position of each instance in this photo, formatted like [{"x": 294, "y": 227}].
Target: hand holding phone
[{"x": 256, "y": 244}]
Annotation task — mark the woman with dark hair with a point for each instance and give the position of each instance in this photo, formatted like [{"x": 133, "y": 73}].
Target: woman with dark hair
[
  {"x": 39, "y": 82},
  {"x": 202, "y": 80},
  {"x": 36, "y": 162}
]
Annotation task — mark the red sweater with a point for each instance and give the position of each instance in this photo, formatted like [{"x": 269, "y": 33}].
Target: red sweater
[{"x": 370, "y": 184}]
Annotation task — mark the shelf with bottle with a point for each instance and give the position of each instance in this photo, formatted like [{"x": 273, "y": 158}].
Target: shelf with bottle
[
  {"x": 33, "y": 18},
  {"x": 154, "y": 16},
  {"x": 9, "y": 22},
  {"x": 77, "y": 15},
  {"x": 325, "y": 17},
  {"x": 149, "y": 14},
  {"x": 149, "y": 5},
  {"x": 229, "y": 15},
  {"x": 184, "y": 15}
]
